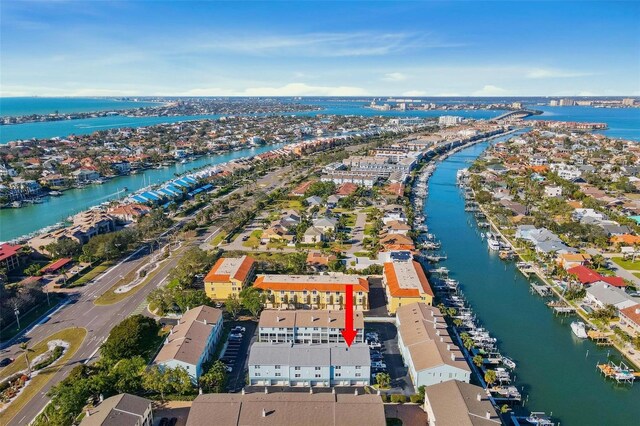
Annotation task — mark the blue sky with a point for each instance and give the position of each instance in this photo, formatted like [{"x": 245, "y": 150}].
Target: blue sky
[{"x": 262, "y": 48}]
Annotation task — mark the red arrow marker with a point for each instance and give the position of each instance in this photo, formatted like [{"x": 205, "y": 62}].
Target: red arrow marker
[{"x": 348, "y": 333}]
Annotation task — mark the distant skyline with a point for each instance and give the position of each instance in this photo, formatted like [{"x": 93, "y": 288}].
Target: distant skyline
[{"x": 448, "y": 48}]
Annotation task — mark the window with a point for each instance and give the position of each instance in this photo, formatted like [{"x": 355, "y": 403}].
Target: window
[
  {"x": 317, "y": 375},
  {"x": 297, "y": 368},
  {"x": 297, "y": 375},
  {"x": 359, "y": 293},
  {"x": 277, "y": 367},
  {"x": 358, "y": 374},
  {"x": 358, "y": 367},
  {"x": 257, "y": 374},
  {"x": 257, "y": 366},
  {"x": 337, "y": 374},
  {"x": 317, "y": 368},
  {"x": 278, "y": 374},
  {"x": 315, "y": 292},
  {"x": 338, "y": 367}
]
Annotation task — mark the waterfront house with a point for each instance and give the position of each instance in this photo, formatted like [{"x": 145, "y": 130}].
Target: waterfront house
[
  {"x": 571, "y": 260},
  {"x": 191, "y": 341},
  {"x": 122, "y": 410},
  {"x": 405, "y": 282},
  {"x": 397, "y": 227},
  {"x": 9, "y": 256},
  {"x": 228, "y": 277},
  {"x": 630, "y": 317},
  {"x": 322, "y": 365},
  {"x": 426, "y": 347},
  {"x": 306, "y": 326},
  {"x": 543, "y": 240},
  {"x": 284, "y": 408},
  {"x": 397, "y": 242},
  {"x": 602, "y": 294},
  {"x": 454, "y": 403},
  {"x": 312, "y": 291},
  {"x": 587, "y": 276},
  {"x": 85, "y": 175},
  {"x": 129, "y": 212}
]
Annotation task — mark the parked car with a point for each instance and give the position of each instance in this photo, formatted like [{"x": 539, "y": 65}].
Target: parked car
[
  {"x": 218, "y": 305},
  {"x": 376, "y": 356},
  {"x": 235, "y": 336},
  {"x": 238, "y": 329},
  {"x": 378, "y": 364},
  {"x": 375, "y": 345},
  {"x": 228, "y": 368},
  {"x": 5, "y": 362}
]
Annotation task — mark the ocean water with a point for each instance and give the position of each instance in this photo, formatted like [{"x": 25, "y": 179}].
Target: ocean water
[{"x": 13, "y": 106}]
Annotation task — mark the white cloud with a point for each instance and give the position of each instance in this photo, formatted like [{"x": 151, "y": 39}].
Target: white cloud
[
  {"x": 291, "y": 89},
  {"x": 394, "y": 76},
  {"x": 490, "y": 90},
  {"x": 414, "y": 93},
  {"x": 554, "y": 73}
]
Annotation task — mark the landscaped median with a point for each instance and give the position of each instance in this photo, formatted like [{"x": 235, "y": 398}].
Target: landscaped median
[{"x": 72, "y": 336}]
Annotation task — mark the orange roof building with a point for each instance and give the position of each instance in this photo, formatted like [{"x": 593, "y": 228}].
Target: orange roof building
[
  {"x": 346, "y": 189},
  {"x": 312, "y": 291},
  {"x": 228, "y": 277},
  {"x": 405, "y": 283},
  {"x": 626, "y": 239},
  {"x": 397, "y": 242},
  {"x": 631, "y": 317}
]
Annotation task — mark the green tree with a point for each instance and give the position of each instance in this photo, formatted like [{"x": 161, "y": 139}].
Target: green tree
[
  {"x": 179, "y": 380},
  {"x": 188, "y": 299},
  {"x": 214, "y": 380},
  {"x": 252, "y": 300},
  {"x": 64, "y": 247},
  {"x": 490, "y": 377},
  {"x": 383, "y": 380},
  {"x": 128, "y": 374},
  {"x": 156, "y": 380},
  {"x": 477, "y": 360},
  {"x": 130, "y": 338},
  {"x": 192, "y": 262},
  {"x": 232, "y": 306}
]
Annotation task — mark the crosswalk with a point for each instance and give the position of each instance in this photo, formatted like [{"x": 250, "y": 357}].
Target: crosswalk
[{"x": 140, "y": 309}]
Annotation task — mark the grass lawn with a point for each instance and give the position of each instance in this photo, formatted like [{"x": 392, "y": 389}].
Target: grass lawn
[
  {"x": 291, "y": 204},
  {"x": 110, "y": 297},
  {"x": 350, "y": 219},
  {"x": 254, "y": 239},
  {"x": 218, "y": 239},
  {"x": 627, "y": 264},
  {"x": 74, "y": 336},
  {"x": 276, "y": 244},
  {"x": 637, "y": 274},
  {"x": 30, "y": 317},
  {"x": 93, "y": 273}
]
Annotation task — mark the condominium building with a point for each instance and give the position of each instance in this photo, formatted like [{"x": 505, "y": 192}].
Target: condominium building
[
  {"x": 323, "y": 365},
  {"x": 9, "y": 256},
  {"x": 285, "y": 408},
  {"x": 405, "y": 282},
  {"x": 192, "y": 341},
  {"x": 123, "y": 410},
  {"x": 426, "y": 347},
  {"x": 449, "y": 120},
  {"x": 228, "y": 277},
  {"x": 459, "y": 403},
  {"x": 306, "y": 326},
  {"x": 312, "y": 291}
]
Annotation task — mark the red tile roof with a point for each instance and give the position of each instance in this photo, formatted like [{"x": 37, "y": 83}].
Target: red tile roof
[
  {"x": 394, "y": 285},
  {"x": 347, "y": 189},
  {"x": 240, "y": 273},
  {"x": 363, "y": 285},
  {"x": 7, "y": 250},
  {"x": 54, "y": 266},
  {"x": 632, "y": 313},
  {"x": 588, "y": 276}
]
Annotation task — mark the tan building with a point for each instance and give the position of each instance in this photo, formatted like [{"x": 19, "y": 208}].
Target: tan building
[
  {"x": 405, "y": 282},
  {"x": 192, "y": 341},
  {"x": 228, "y": 277},
  {"x": 306, "y": 326},
  {"x": 287, "y": 408},
  {"x": 631, "y": 317},
  {"x": 426, "y": 347},
  {"x": 312, "y": 291},
  {"x": 120, "y": 410},
  {"x": 456, "y": 403}
]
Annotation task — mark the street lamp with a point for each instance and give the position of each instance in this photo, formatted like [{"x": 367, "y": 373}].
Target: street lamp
[{"x": 17, "y": 312}]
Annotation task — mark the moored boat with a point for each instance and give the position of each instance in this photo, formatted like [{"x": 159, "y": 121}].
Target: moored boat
[{"x": 579, "y": 329}]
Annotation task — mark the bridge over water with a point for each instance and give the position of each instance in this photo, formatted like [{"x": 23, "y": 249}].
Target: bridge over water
[{"x": 516, "y": 115}]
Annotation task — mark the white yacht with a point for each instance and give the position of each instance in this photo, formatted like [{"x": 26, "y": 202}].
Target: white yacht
[{"x": 579, "y": 329}]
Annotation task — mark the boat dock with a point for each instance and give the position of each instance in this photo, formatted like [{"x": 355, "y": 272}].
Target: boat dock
[
  {"x": 541, "y": 290},
  {"x": 600, "y": 338},
  {"x": 620, "y": 373}
]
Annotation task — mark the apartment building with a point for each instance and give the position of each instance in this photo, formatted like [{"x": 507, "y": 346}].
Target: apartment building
[
  {"x": 405, "y": 282},
  {"x": 306, "y": 326},
  {"x": 123, "y": 410},
  {"x": 192, "y": 341},
  {"x": 9, "y": 256},
  {"x": 284, "y": 408},
  {"x": 312, "y": 291},
  {"x": 322, "y": 365},
  {"x": 426, "y": 347},
  {"x": 228, "y": 277},
  {"x": 459, "y": 403}
]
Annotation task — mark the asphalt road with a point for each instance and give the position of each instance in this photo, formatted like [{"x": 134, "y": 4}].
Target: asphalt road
[{"x": 99, "y": 320}]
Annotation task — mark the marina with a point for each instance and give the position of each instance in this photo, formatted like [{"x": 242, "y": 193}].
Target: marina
[{"x": 499, "y": 293}]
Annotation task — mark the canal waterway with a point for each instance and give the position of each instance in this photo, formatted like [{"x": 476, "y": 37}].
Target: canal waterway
[
  {"x": 556, "y": 369},
  {"x": 17, "y": 222}
]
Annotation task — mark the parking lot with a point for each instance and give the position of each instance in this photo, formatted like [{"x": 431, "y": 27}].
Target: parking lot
[
  {"x": 388, "y": 338},
  {"x": 377, "y": 298},
  {"x": 235, "y": 353}
]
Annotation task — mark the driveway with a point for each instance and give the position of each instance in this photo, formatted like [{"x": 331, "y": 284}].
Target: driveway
[
  {"x": 400, "y": 380},
  {"x": 377, "y": 298}
]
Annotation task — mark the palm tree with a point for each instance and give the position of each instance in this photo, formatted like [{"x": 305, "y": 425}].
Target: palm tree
[
  {"x": 24, "y": 346},
  {"x": 477, "y": 360}
]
